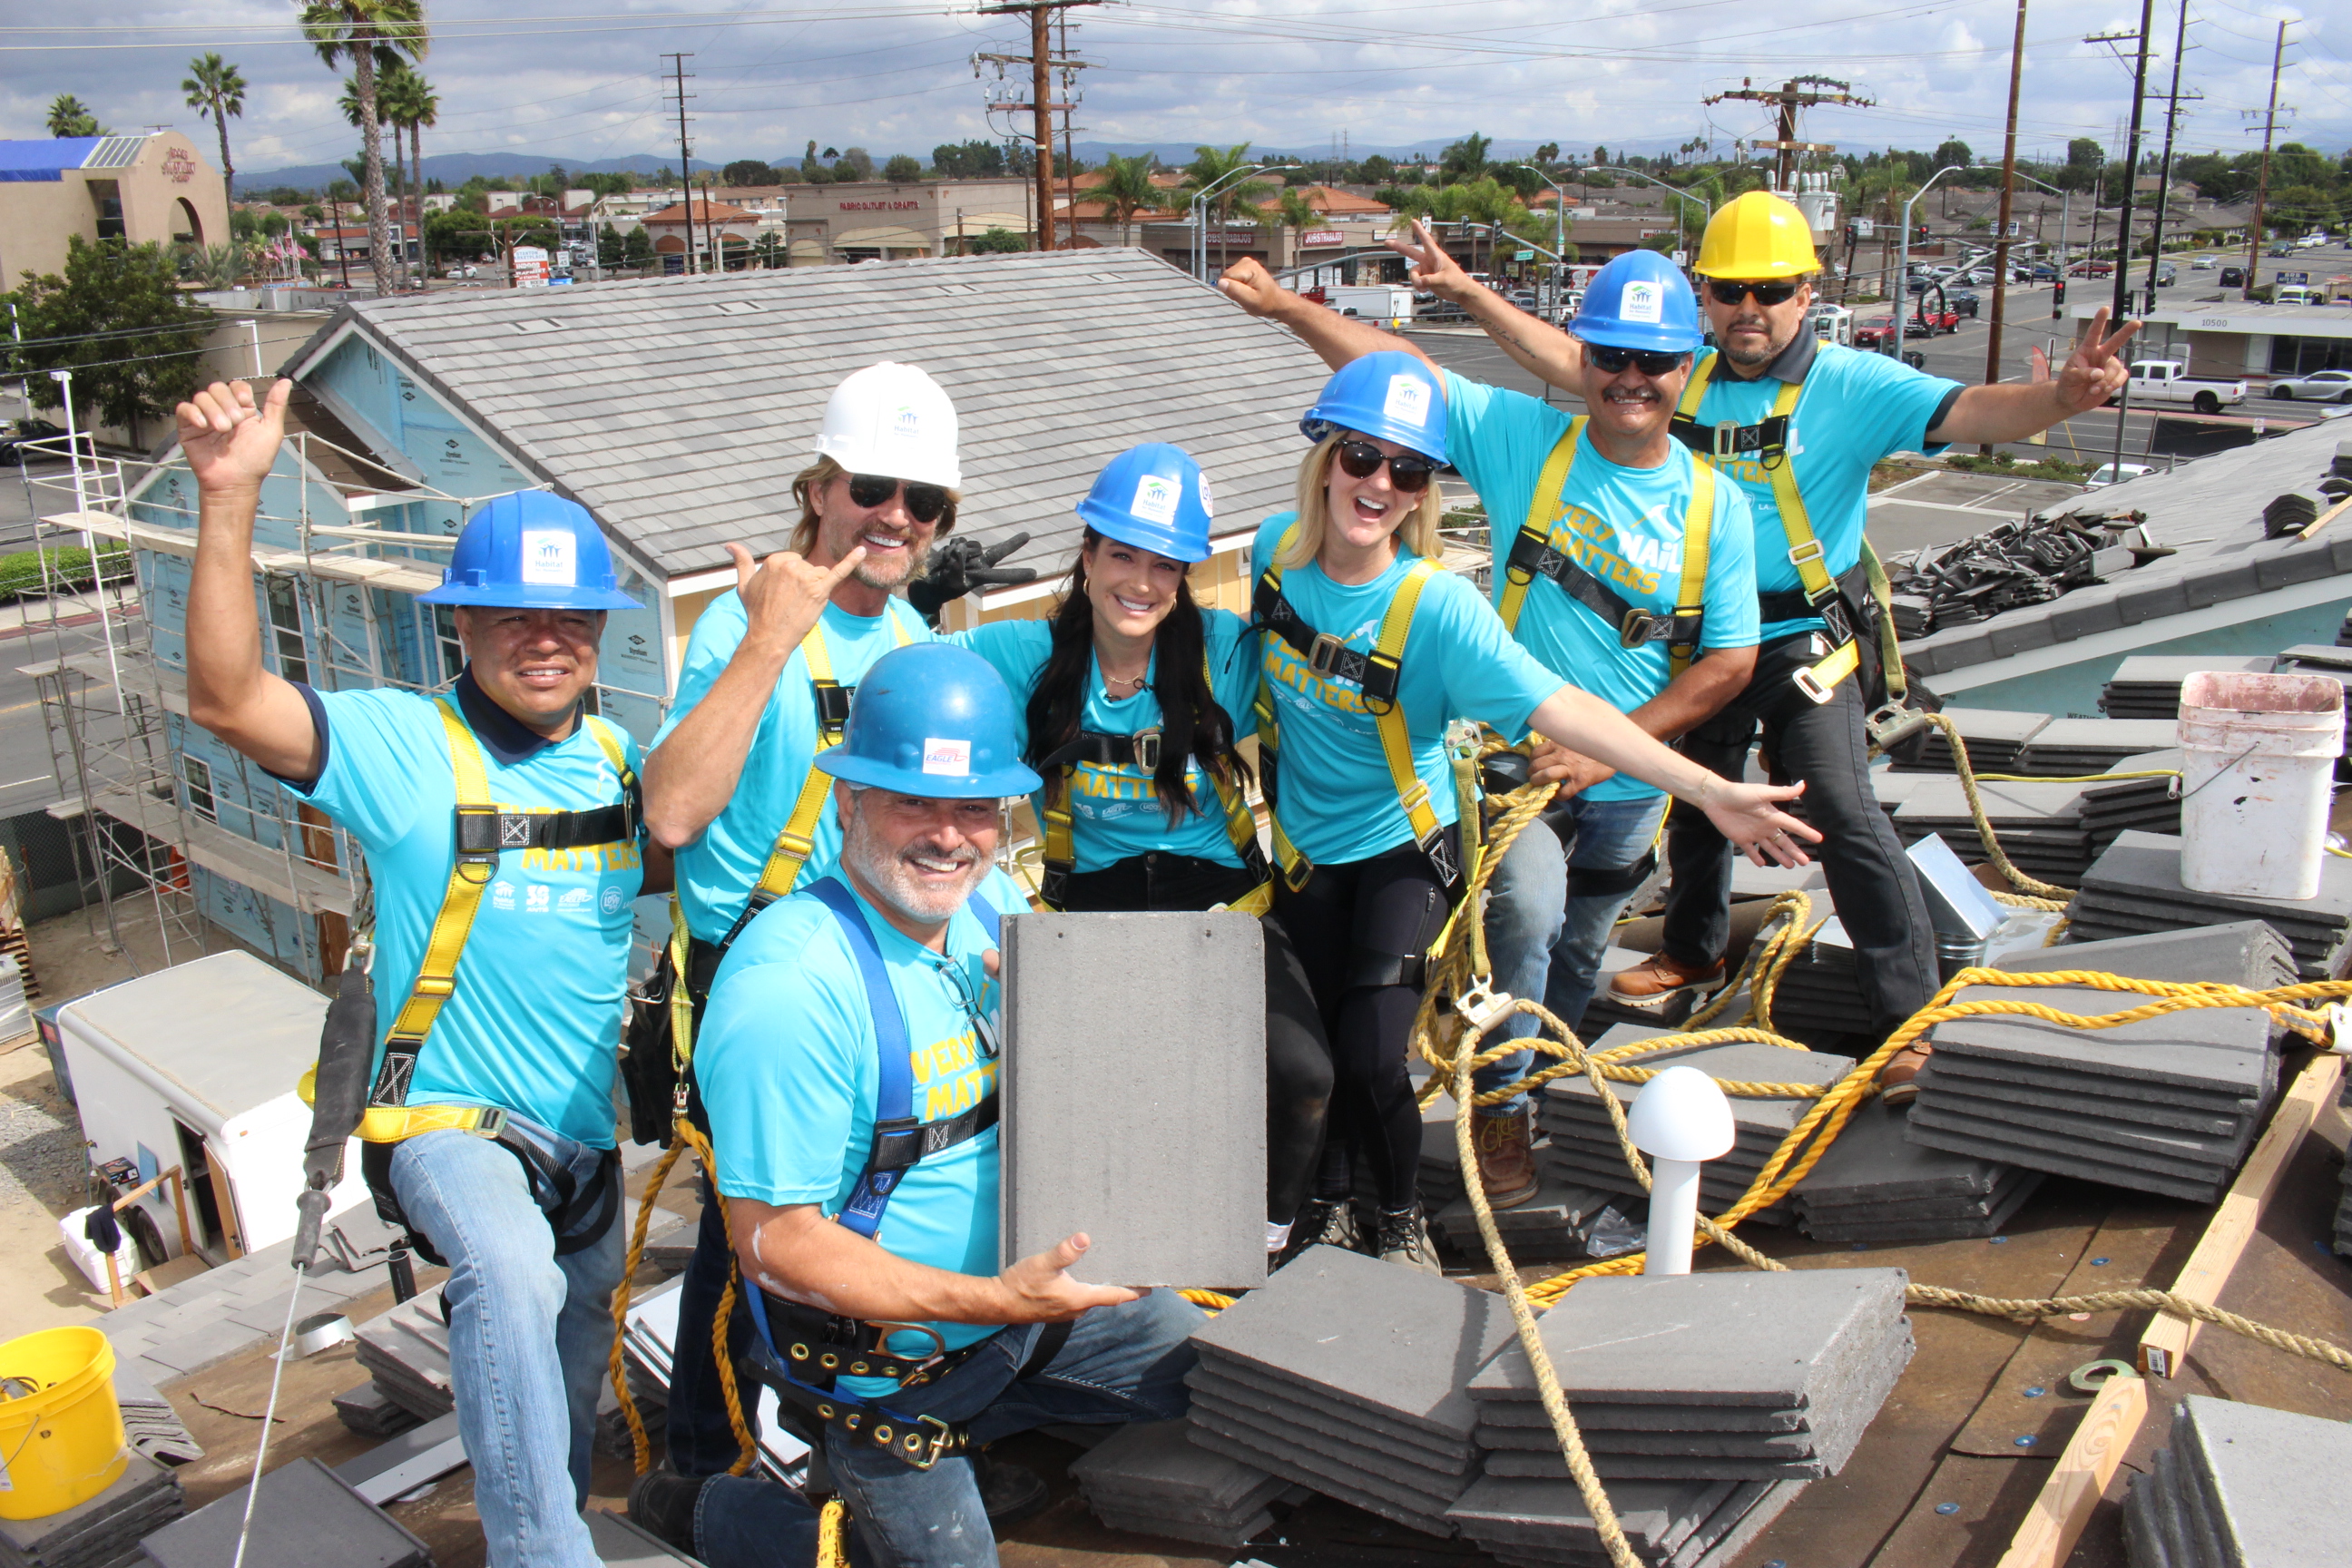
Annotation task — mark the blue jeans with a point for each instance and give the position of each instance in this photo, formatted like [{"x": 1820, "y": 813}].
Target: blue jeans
[
  {"x": 1119, "y": 1365},
  {"x": 529, "y": 1334},
  {"x": 1544, "y": 944}
]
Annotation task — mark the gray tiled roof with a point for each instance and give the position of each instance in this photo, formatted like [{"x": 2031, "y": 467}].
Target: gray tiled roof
[
  {"x": 2210, "y": 510},
  {"x": 680, "y": 424}
]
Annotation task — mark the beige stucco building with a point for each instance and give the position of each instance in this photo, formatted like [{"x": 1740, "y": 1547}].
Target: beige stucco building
[{"x": 145, "y": 188}]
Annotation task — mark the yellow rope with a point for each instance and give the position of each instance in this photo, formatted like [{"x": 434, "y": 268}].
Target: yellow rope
[
  {"x": 2017, "y": 878},
  {"x": 686, "y": 1137}
]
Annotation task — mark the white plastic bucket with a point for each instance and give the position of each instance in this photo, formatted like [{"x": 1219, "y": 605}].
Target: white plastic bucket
[{"x": 2258, "y": 755}]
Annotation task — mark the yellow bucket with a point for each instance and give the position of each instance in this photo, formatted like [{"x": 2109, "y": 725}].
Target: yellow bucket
[{"x": 60, "y": 1428}]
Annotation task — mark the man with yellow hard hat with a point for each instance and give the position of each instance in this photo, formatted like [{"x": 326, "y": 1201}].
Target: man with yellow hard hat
[{"x": 1798, "y": 425}]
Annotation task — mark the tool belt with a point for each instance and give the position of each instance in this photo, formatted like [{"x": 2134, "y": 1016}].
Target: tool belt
[{"x": 802, "y": 1353}]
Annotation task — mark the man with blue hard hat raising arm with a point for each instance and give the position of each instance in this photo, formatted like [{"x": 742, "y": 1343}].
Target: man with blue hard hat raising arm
[
  {"x": 1626, "y": 560},
  {"x": 849, "y": 1062},
  {"x": 1798, "y": 424},
  {"x": 500, "y": 825}
]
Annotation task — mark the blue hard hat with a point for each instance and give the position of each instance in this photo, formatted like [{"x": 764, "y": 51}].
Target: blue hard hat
[
  {"x": 1391, "y": 395},
  {"x": 531, "y": 551},
  {"x": 1640, "y": 300},
  {"x": 934, "y": 719},
  {"x": 1154, "y": 497}
]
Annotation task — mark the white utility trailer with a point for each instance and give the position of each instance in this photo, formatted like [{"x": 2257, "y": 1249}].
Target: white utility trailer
[{"x": 196, "y": 1066}]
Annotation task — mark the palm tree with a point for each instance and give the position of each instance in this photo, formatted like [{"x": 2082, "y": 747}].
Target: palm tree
[
  {"x": 215, "y": 90},
  {"x": 1297, "y": 215},
  {"x": 1125, "y": 189},
  {"x": 1211, "y": 164},
  {"x": 370, "y": 34},
  {"x": 356, "y": 113},
  {"x": 410, "y": 104},
  {"x": 68, "y": 116}
]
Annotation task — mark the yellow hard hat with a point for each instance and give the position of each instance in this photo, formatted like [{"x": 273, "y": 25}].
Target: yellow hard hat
[{"x": 1760, "y": 235}]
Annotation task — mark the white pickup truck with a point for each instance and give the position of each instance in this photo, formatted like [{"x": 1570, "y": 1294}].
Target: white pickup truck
[{"x": 2168, "y": 381}]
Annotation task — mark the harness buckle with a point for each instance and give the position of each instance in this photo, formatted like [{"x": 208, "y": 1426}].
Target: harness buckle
[
  {"x": 492, "y": 1125},
  {"x": 1641, "y": 626},
  {"x": 921, "y": 1454},
  {"x": 1323, "y": 655},
  {"x": 1726, "y": 438},
  {"x": 1146, "y": 746},
  {"x": 1811, "y": 550},
  {"x": 1806, "y": 682},
  {"x": 1483, "y": 1005}
]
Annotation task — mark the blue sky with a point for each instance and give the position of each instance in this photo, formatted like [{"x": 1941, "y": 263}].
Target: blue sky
[{"x": 579, "y": 78}]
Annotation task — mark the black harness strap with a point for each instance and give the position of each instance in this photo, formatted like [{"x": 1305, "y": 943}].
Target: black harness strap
[
  {"x": 1767, "y": 440},
  {"x": 1534, "y": 557},
  {"x": 1326, "y": 655},
  {"x": 488, "y": 832}
]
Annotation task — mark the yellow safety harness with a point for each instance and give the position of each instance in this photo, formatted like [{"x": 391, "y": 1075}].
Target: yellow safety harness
[
  {"x": 1142, "y": 749},
  {"x": 1768, "y": 443},
  {"x": 1533, "y": 554},
  {"x": 484, "y": 832},
  {"x": 1376, "y": 673}
]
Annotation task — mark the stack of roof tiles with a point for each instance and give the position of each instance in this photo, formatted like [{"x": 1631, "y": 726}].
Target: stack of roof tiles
[
  {"x": 2134, "y": 887},
  {"x": 1584, "y": 1150},
  {"x": 2075, "y": 748},
  {"x": 148, "y": 1422},
  {"x": 1745, "y": 1375},
  {"x": 102, "y": 1532},
  {"x": 406, "y": 1350},
  {"x": 2146, "y": 805},
  {"x": 1552, "y": 1226},
  {"x": 2240, "y": 1486},
  {"x": 1993, "y": 735},
  {"x": 2040, "y": 825},
  {"x": 2168, "y": 1105},
  {"x": 1669, "y": 1524},
  {"x": 1818, "y": 998},
  {"x": 1151, "y": 1478},
  {"x": 1872, "y": 1185},
  {"x": 2147, "y": 685},
  {"x": 1345, "y": 1374}
]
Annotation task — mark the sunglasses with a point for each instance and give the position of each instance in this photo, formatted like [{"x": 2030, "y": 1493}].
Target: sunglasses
[
  {"x": 925, "y": 503},
  {"x": 1408, "y": 472},
  {"x": 1730, "y": 291},
  {"x": 1612, "y": 362}
]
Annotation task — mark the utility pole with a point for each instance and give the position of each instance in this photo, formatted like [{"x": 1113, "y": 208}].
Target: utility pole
[
  {"x": 1789, "y": 98},
  {"x": 2164, "y": 165},
  {"x": 2000, "y": 229},
  {"x": 685, "y": 165},
  {"x": 1069, "y": 99},
  {"x": 2123, "y": 218},
  {"x": 2262, "y": 185},
  {"x": 1040, "y": 64}
]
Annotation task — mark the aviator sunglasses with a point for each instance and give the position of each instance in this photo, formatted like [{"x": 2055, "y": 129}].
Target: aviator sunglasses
[
  {"x": 925, "y": 503},
  {"x": 1408, "y": 472},
  {"x": 1613, "y": 362},
  {"x": 1730, "y": 291}
]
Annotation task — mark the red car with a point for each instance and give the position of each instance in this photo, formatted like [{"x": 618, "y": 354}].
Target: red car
[
  {"x": 2091, "y": 269},
  {"x": 1927, "y": 323},
  {"x": 1874, "y": 332}
]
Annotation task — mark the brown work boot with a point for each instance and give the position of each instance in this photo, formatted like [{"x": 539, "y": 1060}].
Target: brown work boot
[
  {"x": 1507, "y": 1167},
  {"x": 1896, "y": 1080},
  {"x": 1659, "y": 980}
]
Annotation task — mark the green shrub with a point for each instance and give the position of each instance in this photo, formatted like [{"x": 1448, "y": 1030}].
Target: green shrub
[{"x": 68, "y": 568}]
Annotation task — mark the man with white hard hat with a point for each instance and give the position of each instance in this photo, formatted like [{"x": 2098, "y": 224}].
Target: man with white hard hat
[
  {"x": 730, "y": 783},
  {"x": 1798, "y": 425}
]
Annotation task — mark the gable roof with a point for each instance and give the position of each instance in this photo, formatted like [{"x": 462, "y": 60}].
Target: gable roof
[
  {"x": 704, "y": 212},
  {"x": 679, "y": 409}
]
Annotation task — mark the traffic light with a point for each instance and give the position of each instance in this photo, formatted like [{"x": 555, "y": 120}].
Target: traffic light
[{"x": 2058, "y": 297}]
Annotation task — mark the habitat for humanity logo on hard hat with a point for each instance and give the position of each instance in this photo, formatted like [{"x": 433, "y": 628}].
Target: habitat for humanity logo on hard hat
[
  {"x": 1408, "y": 399},
  {"x": 908, "y": 424},
  {"x": 1642, "y": 301},
  {"x": 1155, "y": 496},
  {"x": 550, "y": 555}
]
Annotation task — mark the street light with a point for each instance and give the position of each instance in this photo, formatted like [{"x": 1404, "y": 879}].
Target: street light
[
  {"x": 1903, "y": 272},
  {"x": 1687, "y": 195},
  {"x": 1559, "y": 221},
  {"x": 1199, "y": 233}
]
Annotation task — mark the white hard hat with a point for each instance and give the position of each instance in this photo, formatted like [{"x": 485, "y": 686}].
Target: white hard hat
[{"x": 893, "y": 420}]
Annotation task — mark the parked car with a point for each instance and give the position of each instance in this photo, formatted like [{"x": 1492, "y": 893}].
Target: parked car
[
  {"x": 2319, "y": 386},
  {"x": 1876, "y": 331},
  {"x": 2037, "y": 272},
  {"x": 1967, "y": 301},
  {"x": 1927, "y": 322},
  {"x": 2168, "y": 381},
  {"x": 21, "y": 432},
  {"x": 2201, "y": 264},
  {"x": 2295, "y": 294},
  {"x": 2107, "y": 474},
  {"x": 2092, "y": 268},
  {"x": 2232, "y": 278}
]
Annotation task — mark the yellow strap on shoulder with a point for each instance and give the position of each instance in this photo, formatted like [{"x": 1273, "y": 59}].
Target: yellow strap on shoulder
[
  {"x": 798, "y": 838},
  {"x": 1890, "y": 647},
  {"x": 1396, "y": 738},
  {"x": 1698, "y": 536},
  {"x": 1537, "y": 527},
  {"x": 436, "y": 975}
]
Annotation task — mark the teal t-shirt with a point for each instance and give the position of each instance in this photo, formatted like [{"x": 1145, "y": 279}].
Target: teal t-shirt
[
  {"x": 716, "y": 872},
  {"x": 789, "y": 1069},
  {"x": 1856, "y": 409},
  {"x": 1624, "y": 525},
  {"x": 1115, "y": 811},
  {"x": 534, "y": 1024},
  {"x": 1337, "y": 802}
]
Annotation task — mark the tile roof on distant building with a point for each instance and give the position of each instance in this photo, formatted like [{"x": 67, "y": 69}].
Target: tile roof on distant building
[
  {"x": 704, "y": 212},
  {"x": 677, "y": 410}
]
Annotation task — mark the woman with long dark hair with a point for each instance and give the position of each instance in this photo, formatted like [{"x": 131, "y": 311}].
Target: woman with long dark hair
[
  {"x": 1133, "y": 695},
  {"x": 1371, "y": 649}
]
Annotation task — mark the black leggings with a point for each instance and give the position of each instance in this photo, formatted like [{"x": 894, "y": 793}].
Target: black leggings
[
  {"x": 1361, "y": 928},
  {"x": 1298, "y": 1058}
]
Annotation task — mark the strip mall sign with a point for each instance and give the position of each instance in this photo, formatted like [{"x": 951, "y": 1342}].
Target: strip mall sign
[
  {"x": 1316, "y": 238},
  {"x": 876, "y": 206}
]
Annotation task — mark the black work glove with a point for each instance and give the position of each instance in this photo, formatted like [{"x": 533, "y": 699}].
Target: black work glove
[{"x": 960, "y": 565}]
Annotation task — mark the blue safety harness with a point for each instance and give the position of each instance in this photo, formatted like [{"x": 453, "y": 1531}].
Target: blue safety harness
[{"x": 826, "y": 1347}]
